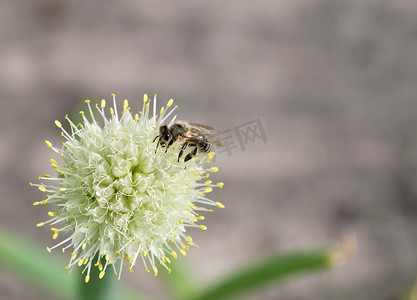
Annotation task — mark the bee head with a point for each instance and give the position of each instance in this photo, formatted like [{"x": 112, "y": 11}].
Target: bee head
[{"x": 164, "y": 133}]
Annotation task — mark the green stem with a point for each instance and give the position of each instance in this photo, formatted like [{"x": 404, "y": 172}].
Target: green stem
[{"x": 106, "y": 288}]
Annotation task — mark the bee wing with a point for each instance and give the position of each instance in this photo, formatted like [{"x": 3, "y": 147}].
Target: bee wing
[
  {"x": 199, "y": 136},
  {"x": 201, "y": 126},
  {"x": 194, "y": 135}
]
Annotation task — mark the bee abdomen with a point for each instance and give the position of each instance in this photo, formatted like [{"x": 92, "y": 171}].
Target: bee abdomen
[{"x": 205, "y": 147}]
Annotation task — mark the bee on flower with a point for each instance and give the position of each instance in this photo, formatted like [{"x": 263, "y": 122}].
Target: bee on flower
[{"x": 120, "y": 199}]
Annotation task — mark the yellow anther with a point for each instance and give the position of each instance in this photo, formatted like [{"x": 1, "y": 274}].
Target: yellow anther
[
  {"x": 55, "y": 235},
  {"x": 170, "y": 102},
  {"x": 50, "y": 213},
  {"x": 136, "y": 117},
  {"x": 111, "y": 111},
  {"x": 144, "y": 253},
  {"x": 203, "y": 227},
  {"x": 74, "y": 255},
  {"x": 169, "y": 271},
  {"x": 176, "y": 106},
  {"x": 162, "y": 110},
  {"x": 107, "y": 257},
  {"x": 194, "y": 220},
  {"x": 87, "y": 279},
  {"x": 147, "y": 106},
  {"x": 85, "y": 261},
  {"x": 183, "y": 252},
  {"x": 62, "y": 189},
  {"x": 210, "y": 155},
  {"x": 87, "y": 101},
  {"x": 82, "y": 112},
  {"x": 43, "y": 202},
  {"x": 145, "y": 98},
  {"x": 101, "y": 275},
  {"x": 42, "y": 189},
  {"x": 68, "y": 267},
  {"x": 83, "y": 246},
  {"x": 125, "y": 105},
  {"x": 47, "y": 249},
  {"x": 167, "y": 260},
  {"x": 103, "y": 103},
  {"x": 113, "y": 94},
  {"x": 100, "y": 267},
  {"x": 208, "y": 182},
  {"x": 58, "y": 124},
  {"x": 182, "y": 246},
  {"x": 214, "y": 169},
  {"x": 192, "y": 206},
  {"x": 40, "y": 224},
  {"x": 218, "y": 204},
  {"x": 181, "y": 221},
  {"x": 96, "y": 105},
  {"x": 48, "y": 143},
  {"x": 208, "y": 190},
  {"x": 47, "y": 175},
  {"x": 63, "y": 250},
  {"x": 220, "y": 184},
  {"x": 36, "y": 203},
  {"x": 174, "y": 254},
  {"x": 80, "y": 262},
  {"x": 147, "y": 270},
  {"x": 155, "y": 270},
  {"x": 190, "y": 238},
  {"x": 201, "y": 218}
]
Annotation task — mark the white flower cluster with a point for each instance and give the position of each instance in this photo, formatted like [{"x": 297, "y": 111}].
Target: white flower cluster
[{"x": 120, "y": 199}]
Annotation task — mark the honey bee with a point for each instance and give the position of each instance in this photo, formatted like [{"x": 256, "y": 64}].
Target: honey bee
[{"x": 188, "y": 135}]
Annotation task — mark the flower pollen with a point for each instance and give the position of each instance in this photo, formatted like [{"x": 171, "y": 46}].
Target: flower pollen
[{"x": 117, "y": 198}]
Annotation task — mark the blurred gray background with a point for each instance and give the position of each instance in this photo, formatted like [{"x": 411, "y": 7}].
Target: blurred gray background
[{"x": 334, "y": 84}]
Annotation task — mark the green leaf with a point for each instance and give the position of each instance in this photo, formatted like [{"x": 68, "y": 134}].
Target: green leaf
[
  {"x": 276, "y": 268},
  {"x": 31, "y": 262}
]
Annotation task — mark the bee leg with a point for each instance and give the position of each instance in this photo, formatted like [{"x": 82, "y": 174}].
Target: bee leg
[
  {"x": 191, "y": 154},
  {"x": 169, "y": 144},
  {"x": 155, "y": 139},
  {"x": 156, "y": 148},
  {"x": 182, "y": 150}
]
